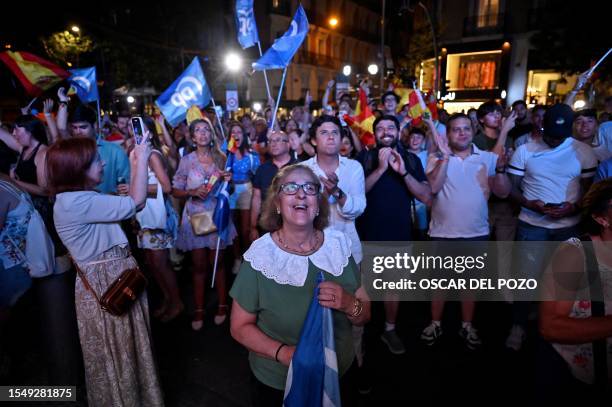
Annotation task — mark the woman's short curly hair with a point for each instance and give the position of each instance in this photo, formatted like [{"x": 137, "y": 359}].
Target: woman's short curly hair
[{"x": 270, "y": 220}]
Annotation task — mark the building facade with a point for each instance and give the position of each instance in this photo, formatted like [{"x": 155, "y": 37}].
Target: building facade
[{"x": 485, "y": 53}]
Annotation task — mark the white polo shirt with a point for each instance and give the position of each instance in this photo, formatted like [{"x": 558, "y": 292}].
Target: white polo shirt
[
  {"x": 460, "y": 209},
  {"x": 552, "y": 176},
  {"x": 351, "y": 181}
]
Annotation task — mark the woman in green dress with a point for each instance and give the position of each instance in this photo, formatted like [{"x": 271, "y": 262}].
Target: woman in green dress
[{"x": 274, "y": 287}]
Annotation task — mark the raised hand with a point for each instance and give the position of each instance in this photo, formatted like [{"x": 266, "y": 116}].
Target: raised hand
[
  {"x": 397, "y": 162},
  {"x": 61, "y": 95},
  {"x": 48, "y": 106}
]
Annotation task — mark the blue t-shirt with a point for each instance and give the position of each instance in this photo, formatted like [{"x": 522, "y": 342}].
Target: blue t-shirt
[
  {"x": 116, "y": 165},
  {"x": 604, "y": 170},
  {"x": 244, "y": 169}
]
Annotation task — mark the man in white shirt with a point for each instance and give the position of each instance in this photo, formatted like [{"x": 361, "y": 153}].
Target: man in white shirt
[
  {"x": 342, "y": 178},
  {"x": 462, "y": 177},
  {"x": 548, "y": 181}
]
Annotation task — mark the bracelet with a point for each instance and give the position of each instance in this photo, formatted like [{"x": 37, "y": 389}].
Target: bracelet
[
  {"x": 500, "y": 171},
  {"x": 404, "y": 175},
  {"x": 357, "y": 308},
  {"x": 278, "y": 350},
  {"x": 63, "y": 103}
]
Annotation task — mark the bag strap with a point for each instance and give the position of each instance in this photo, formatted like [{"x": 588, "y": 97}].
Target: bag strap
[
  {"x": 600, "y": 363},
  {"x": 85, "y": 281}
]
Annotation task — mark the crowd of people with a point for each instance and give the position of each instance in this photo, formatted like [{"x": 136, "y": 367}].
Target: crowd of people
[{"x": 85, "y": 201}]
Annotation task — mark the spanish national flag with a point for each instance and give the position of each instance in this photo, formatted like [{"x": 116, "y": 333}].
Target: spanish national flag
[
  {"x": 363, "y": 120},
  {"x": 35, "y": 74}
]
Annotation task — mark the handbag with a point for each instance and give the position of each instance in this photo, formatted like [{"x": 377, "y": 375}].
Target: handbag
[
  {"x": 153, "y": 215},
  {"x": 122, "y": 293},
  {"x": 202, "y": 223}
]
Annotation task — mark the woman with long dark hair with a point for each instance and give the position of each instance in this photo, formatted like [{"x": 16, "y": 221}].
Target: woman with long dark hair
[{"x": 243, "y": 169}]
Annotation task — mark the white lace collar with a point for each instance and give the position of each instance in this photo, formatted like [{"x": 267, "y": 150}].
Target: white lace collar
[{"x": 285, "y": 268}]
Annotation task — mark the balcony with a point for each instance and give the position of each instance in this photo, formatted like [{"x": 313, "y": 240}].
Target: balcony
[
  {"x": 324, "y": 61},
  {"x": 485, "y": 24}
]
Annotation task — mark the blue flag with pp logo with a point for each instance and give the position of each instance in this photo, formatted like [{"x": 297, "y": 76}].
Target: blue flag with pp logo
[
  {"x": 312, "y": 380},
  {"x": 187, "y": 90},
  {"x": 245, "y": 24},
  {"x": 83, "y": 82},
  {"x": 283, "y": 49}
]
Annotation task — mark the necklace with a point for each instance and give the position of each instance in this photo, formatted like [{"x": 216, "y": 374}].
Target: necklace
[{"x": 313, "y": 247}]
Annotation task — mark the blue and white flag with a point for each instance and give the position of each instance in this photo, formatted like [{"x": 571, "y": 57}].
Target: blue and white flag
[
  {"x": 187, "y": 90},
  {"x": 221, "y": 216},
  {"x": 245, "y": 24},
  {"x": 83, "y": 81},
  {"x": 283, "y": 49},
  {"x": 312, "y": 380}
]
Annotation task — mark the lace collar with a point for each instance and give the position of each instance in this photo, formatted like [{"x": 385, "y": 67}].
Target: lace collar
[{"x": 286, "y": 268}]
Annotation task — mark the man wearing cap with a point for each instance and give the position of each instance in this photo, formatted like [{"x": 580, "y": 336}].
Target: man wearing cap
[{"x": 548, "y": 181}]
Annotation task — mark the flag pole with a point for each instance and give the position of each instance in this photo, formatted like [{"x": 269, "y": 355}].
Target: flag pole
[
  {"x": 99, "y": 117},
  {"x": 212, "y": 99},
  {"x": 280, "y": 92},
  {"x": 598, "y": 62},
  {"x": 264, "y": 73},
  {"x": 216, "y": 258}
]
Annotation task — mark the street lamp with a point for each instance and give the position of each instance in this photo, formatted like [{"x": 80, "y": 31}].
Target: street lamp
[
  {"x": 333, "y": 22},
  {"x": 233, "y": 62},
  {"x": 130, "y": 99},
  {"x": 75, "y": 29},
  {"x": 257, "y": 107},
  {"x": 373, "y": 69},
  {"x": 346, "y": 70}
]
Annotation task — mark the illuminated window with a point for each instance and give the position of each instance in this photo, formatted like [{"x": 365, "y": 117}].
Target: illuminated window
[
  {"x": 487, "y": 12},
  {"x": 474, "y": 70}
]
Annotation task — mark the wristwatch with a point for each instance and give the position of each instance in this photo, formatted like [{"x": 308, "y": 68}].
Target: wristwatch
[{"x": 338, "y": 194}]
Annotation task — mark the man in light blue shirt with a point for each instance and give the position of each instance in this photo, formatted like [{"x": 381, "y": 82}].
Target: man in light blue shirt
[{"x": 116, "y": 177}]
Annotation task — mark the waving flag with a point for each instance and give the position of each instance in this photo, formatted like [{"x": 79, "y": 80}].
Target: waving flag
[
  {"x": 83, "y": 81},
  {"x": 415, "y": 107},
  {"x": 312, "y": 380},
  {"x": 187, "y": 90},
  {"x": 35, "y": 74},
  {"x": 245, "y": 24},
  {"x": 363, "y": 120},
  {"x": 283, "y": 49}
]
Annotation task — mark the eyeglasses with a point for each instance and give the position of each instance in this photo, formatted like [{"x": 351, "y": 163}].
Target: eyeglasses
[
  {"x": 291, "y": 188},
  {"x": 278, "y": 140}
]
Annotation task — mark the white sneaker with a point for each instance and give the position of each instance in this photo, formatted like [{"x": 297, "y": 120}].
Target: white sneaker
[
  {"x": 470, "y": 337},
  {"x": 516, "y": 338},
  {"x": 431, "y": 334}
]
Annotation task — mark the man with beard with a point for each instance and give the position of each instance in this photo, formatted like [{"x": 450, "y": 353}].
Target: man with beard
[
  {"x": 462, "y": 177},
  {"x": 394, "y": 178}
]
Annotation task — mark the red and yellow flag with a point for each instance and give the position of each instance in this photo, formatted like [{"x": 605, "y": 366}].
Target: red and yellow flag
[
  {"x": 363, "y": 120},
  {"x": 232, "y": 145},
  {"x": 35, "y": 74}
]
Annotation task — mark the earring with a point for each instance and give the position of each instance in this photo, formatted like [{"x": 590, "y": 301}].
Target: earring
[{"x": 278, "y": 211}]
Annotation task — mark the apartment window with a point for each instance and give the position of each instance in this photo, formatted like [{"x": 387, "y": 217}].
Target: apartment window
[{"x": 487, "y": 13}]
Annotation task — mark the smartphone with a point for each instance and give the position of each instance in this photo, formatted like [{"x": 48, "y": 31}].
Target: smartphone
[
  {"x": 552, "y": 205},
  {"x": 138, "y": 128}
]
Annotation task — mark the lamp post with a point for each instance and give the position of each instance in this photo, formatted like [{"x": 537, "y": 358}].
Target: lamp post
[
  {"x": 435, "y": 49},
  {"x": 382, "y": 48}
]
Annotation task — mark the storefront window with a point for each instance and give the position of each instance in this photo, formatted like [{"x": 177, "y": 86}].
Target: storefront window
[{"x": 476, "y": 70}]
